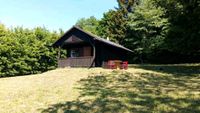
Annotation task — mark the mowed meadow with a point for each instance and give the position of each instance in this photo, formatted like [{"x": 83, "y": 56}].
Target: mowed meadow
[{"x": 140, "y": 89}]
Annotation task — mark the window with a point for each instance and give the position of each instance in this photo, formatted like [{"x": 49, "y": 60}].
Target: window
[{"x": 76, "y": 52}]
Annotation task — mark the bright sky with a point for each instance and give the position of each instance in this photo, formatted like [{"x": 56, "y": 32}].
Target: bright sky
[{"x": 53, "y": 14}]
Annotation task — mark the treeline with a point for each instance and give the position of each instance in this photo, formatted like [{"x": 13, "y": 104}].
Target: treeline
[
  {"x": 158, "y": 31},
  {"x": 26, "y": 51}
]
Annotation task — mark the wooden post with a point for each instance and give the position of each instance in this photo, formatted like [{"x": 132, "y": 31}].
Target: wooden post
[
  {"x": 94, "y": 55},
  {"x": 59, "y": 52}
]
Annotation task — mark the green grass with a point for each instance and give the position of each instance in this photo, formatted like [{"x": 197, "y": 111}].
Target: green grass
[{"x": 142, "y": 88}]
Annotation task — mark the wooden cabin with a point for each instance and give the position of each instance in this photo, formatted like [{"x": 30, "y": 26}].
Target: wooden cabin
[{"x": 87, "y": 50}]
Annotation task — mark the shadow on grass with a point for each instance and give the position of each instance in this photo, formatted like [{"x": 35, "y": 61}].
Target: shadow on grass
[
  {"x": 178, "y": 69},
  {"x": 121, "y": 92}
]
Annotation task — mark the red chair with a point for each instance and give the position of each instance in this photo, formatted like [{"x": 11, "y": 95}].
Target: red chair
[
  {"x": 124, "y": 65},
  {"x": 111, "y": 64}
]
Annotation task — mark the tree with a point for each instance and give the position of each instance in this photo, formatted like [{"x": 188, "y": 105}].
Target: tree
[
  {"x": 88, "y": 24},
  {"x": 3, "y": 30},
  {"x": 127, "y": 6},
  {"x": 182, "y": 37},
  {"x": 147, "y": 28},
  {"x": 113, "y": 26},
  {"x": 26, "y": 51}
]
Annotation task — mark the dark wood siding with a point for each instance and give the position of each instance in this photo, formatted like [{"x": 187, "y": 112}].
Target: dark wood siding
[
  {"x": 105, "y": 52},
  {"x": 73, "y": 39},
  {"x": 83, "y": 50},
  {"x": 87, "y": 51}
]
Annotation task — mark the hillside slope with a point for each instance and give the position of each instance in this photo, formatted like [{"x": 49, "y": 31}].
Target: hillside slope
[
  {"x": 29, "y": 93},
  {"x": 139, "y": 89}
]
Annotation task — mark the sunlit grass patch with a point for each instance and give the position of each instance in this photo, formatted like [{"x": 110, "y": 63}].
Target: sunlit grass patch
[{"x": 76, "y": 90}]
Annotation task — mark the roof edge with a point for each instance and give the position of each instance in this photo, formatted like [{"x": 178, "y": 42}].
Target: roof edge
[{"x": 95, "y": 37}]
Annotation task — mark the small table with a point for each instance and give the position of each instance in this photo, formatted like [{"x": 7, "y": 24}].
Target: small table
[{"x": 117, "y": 63}]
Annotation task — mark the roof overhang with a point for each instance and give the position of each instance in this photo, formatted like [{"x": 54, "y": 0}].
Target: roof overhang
[{"x": 60, "y": 42}]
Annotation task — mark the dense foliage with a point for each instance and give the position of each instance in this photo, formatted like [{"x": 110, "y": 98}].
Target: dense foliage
[
  {"x": 157, "y": 31},
  {"x": 25, "y": 51},
  {"x": 88, "y": 24}
]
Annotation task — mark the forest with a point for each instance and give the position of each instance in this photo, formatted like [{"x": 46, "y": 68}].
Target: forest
[{"x": 159, "y": 32}]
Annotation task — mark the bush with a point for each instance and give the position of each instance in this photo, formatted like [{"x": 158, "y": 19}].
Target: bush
[{"x": 26, "y": 51}]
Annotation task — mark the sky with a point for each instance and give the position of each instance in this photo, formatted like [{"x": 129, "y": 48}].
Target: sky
[{"x": 52, "y": 14}]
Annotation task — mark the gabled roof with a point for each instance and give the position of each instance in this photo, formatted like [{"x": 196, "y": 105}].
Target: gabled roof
[{"x": 95, "y": 37}]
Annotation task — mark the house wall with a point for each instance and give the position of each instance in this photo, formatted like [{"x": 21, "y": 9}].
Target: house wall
[
  {"x": 87, "y": 51},
  {"x": 83, "y": 51},
  {"x": 105, "y": 52}
]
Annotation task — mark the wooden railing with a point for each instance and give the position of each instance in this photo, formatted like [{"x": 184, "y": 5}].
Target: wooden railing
[{"x": 75, "y": 62}]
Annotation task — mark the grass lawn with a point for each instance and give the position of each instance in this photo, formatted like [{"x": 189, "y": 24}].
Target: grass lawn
[{"x": 140, "y": 89}]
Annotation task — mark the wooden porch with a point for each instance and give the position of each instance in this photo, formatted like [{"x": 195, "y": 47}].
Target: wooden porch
[{"x": 85, "y": 61}]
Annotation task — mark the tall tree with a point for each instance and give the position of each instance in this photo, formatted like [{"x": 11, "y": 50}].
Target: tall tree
[
  {"x": 183, "y": 35},
  {"x": 126, "y": 6},
  {"x": 113, "y": 26},
  {"x": 147, "y": 28},
  {"x": 148, "y": 18},
  {"x": 89, "y": 24}
]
